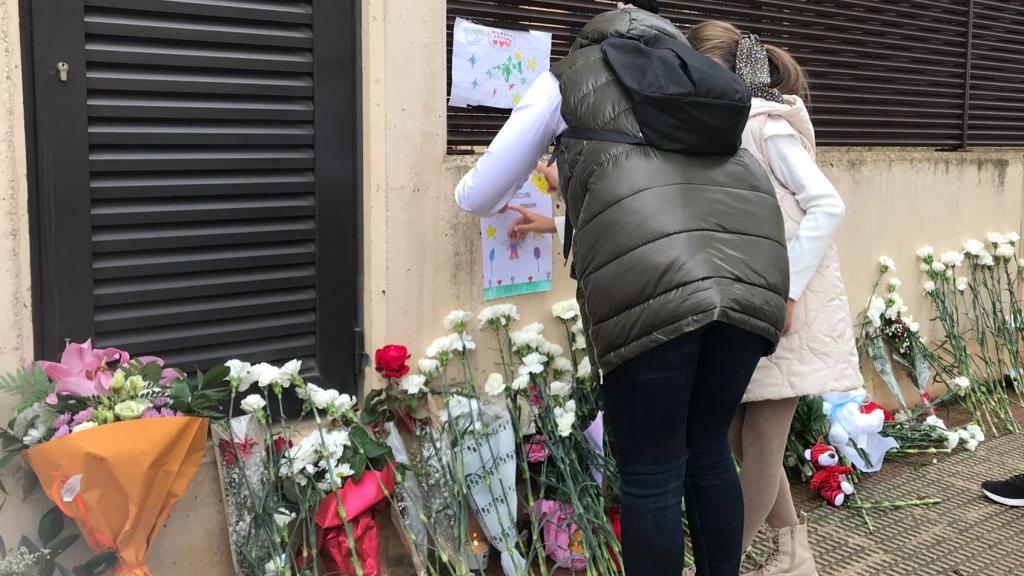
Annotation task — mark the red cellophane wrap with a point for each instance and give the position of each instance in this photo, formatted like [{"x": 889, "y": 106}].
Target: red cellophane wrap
[{"x": 359, "y": 500}]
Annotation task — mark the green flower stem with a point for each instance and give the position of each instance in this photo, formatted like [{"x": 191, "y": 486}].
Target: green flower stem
[{"x": 890, "y": 505}]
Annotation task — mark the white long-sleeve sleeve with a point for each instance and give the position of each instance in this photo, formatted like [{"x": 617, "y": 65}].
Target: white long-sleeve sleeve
[
  {"x": 794, "y": 167},
  {"x": 513, "y": 154}
]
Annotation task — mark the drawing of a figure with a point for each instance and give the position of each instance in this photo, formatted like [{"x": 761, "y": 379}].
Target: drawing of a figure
[{"x": 513, "y": 251}]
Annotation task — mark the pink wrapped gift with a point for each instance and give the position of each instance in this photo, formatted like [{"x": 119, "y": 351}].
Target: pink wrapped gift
[{"x": 563, "y": 540}]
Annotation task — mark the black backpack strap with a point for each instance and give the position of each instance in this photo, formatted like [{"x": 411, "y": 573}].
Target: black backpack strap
[{"x": 586, "y": 134}]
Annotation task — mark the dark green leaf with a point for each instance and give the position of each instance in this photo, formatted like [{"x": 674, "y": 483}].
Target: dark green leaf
[
  {"x": 61, "y": 546},
  {"x": 215, "y": 376},
  {"x": 365, "y": 444},
  {"x": 359, "y": 464},
  {"x": 47, "y": 567},
  {"x": 51, "y": 525},
  {"x": 28, "y": 544},
  {"x": 97, "y": 565}
]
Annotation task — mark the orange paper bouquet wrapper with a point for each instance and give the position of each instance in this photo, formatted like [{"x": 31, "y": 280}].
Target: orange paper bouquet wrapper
[{"x": 129, "y": 476}]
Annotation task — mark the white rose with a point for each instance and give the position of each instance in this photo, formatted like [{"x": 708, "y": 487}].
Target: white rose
[
  {"x": 559, "y": 388},
  {"x": 973, "y": 429},
  {"x": 952, "y": 258},
  {"x": 494, "y": 385},
  {"x": 938, "y": 267},
  {"x": 962, "y": 283},
  {"x": 527, "y": 369},
  {"x": 253, "y": 403},
  {"x": 551, "y": 350},
  {"x": 456, "y": 320},
  {"x": 561, "y": 364},
  {"x": 283, "y": 518},
  {"x": 894, "y": 284},
  {"x": 520, "y": 382},
  {"x": 584, "y": 370},
  {"x": 439, "y": 346},
  {"x": 566, "y": 309},
  {"x": 502, "y": 314},
  {"x": 534, "y": 328},
  {"x": 266, "y": 374},
  {"x": 523, "y": 339},
  {"x": 974, "y": 247},
  {"x": 241, "y": 374},
  {"x": 926, "y": 252},
  {"x": 344, "y": 403},
  {"x": 886, "y": 263},
  {"x": 935, "y": 422},
  {"x": 290, "y": 370},
  {"x": 565, "y": 417},
  {"x": 1005, "y": 252},
  {"x": 413, "y": 384},
  {"x": 429, "y": 366},
  {"x": 535, "y": 358},
  {"x": 462, "y": 343},
  {"x": 971, "y": 444},
  {"x": 458, "y": 406},
  {"x": 322, "y": 398},
  {"x": 986, "y": 259},
  {"x": 995, "y": 238},
  {"x": 952, "y": 440},
  {"x": 579, "y": 341},
  {"x": 84, "y": 426}
]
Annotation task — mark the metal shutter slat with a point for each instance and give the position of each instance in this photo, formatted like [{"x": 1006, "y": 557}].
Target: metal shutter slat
[{"x": 217, "y": 283}]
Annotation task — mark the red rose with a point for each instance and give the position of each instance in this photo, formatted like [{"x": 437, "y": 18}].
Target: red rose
[{"x": 390, "y": 361}]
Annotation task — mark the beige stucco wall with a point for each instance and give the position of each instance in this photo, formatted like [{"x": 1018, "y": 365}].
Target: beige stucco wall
[{"x": 422, "y": 256}]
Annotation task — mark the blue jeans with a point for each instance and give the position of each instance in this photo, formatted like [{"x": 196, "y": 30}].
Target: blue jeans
[{"x": 668, "y": 413}]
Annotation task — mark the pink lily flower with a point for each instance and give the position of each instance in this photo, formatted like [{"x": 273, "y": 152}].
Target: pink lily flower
[{"x": 82, "y": 370}]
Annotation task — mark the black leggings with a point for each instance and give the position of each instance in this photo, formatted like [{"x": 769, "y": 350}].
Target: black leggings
[{"x": 668, "y": 413}]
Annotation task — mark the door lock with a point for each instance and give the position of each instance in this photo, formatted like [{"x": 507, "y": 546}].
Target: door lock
[{"x": 62, "y": 71}]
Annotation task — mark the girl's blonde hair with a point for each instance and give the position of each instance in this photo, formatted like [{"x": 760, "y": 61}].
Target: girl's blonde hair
[{"x": 718, "y": 40}]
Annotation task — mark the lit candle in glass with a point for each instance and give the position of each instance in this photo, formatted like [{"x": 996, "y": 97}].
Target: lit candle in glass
[{"x": 477, "y": 555}]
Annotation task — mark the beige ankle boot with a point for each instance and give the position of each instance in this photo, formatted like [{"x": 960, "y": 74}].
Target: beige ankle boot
[{"x": 792, "y": 555}]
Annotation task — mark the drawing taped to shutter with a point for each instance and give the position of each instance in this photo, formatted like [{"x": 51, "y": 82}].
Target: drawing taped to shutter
[
  {"x": 516, "y": 268},
  {"x": 494, "y": 67}
]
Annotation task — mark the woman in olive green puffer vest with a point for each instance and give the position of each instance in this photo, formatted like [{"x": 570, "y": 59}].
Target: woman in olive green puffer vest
[{"x": 682, "y": 277}]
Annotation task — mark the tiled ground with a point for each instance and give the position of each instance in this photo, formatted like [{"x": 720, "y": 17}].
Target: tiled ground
[{"x": 963, "y": 535}]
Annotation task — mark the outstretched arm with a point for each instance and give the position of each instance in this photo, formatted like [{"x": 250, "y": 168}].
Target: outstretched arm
[{"x": 513, "y": 155}]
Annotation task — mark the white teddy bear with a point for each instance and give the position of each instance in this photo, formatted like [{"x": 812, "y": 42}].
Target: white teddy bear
[{"x": 852, "y": 429}]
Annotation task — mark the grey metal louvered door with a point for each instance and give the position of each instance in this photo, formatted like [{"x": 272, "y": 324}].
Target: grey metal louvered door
[{"x": 196, "y": 179}]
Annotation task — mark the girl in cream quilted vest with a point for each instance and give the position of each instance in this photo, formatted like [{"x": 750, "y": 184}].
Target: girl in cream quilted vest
[{"x": 818, "y": 353}]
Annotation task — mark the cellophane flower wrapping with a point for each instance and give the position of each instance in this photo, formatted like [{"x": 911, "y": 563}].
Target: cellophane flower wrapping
[
  {"x": 119, "y": 482},
  {"x": 433, "y": 458},
  {"x": 408, "y": 501},
  {"x": 360, "y": 501},
  {"x": 563, "y": 540},
  {"x": 242, "y": 461},
  {"x": 489, "y": 457}
]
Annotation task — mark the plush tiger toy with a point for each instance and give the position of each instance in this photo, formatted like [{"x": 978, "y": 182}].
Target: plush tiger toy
[{"x": 830, "y": 480}]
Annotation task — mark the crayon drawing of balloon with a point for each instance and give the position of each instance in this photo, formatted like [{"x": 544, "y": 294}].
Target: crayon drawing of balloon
[
  {"x": 492, "y": 256},
  {"x": 536, "y": 255}
]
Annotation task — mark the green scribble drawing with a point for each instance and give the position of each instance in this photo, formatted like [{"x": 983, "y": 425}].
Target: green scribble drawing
[{"x": 508, "y": 68}]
